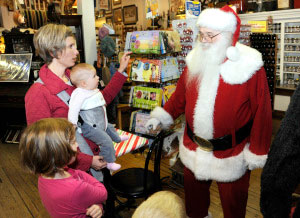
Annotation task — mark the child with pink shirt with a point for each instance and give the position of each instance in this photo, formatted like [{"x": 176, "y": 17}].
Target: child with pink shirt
[{"x": 47, "y": 147}]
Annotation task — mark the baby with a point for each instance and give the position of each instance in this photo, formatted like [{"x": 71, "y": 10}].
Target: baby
[{"x": 88, "y": 102}]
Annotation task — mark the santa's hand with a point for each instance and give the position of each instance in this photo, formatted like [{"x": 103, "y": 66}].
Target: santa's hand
[{"x": 152, "y": 124}]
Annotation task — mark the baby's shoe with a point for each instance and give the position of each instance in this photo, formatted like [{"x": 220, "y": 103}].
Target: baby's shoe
[
  {"x": 113, "y": 166},
  {"x": 124, "y": 137}
]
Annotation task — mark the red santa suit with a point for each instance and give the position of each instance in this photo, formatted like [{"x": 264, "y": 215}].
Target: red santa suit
[{"x": 219, "y": 105}]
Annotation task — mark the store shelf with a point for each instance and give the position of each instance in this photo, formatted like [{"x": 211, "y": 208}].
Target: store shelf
[{"x": 292, "y": 72}]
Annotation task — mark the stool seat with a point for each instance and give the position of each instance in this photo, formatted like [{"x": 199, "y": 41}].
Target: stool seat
[{"x": 130, "y": 183}]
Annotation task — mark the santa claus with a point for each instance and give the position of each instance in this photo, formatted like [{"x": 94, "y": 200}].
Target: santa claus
[{"x": 225, "y": 97}]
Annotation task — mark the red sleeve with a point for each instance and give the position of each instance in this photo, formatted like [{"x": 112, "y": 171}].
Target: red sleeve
[
  {"x": 175, "y": 106},
  {"x": 113, "y": 87},
  {"x": 90, "y": 191},
  {"x": 83, "y": 162},
  {"x": 260, "y": 137},
  {"x": 36, "y": 104}
]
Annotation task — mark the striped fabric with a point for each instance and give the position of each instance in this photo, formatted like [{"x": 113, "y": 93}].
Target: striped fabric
[{"x": 134, "y": 142}]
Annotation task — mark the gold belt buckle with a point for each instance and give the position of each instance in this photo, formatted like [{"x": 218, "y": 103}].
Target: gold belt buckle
[{"x": 203, "y": 143}]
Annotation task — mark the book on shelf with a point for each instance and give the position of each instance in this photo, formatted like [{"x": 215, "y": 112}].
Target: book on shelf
[
  {"x": 169, "y": 69},
  {"x": 146, "y": 70},
  {"x": 156, "y": 71},
  {"x": 138, "y": 122},
  {"x": 146, "y": 97},
  {"x": 167, "y": 92},
  {"x": 153, "y": 42}
]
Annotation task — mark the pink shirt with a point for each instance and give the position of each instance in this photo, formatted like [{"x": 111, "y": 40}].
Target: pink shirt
[{"x": 70, "y": 197}]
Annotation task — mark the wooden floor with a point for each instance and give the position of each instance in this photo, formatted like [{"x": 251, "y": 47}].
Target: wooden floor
[{"x": 19, "y": 195}]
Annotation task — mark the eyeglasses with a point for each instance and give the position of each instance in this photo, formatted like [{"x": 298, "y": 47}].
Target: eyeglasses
[{"x": 207, "y": 38}]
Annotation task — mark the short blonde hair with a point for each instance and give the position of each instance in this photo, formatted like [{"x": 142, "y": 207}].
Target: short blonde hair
[
  {"x": 45, "y": 146},
  {"x": 50, "y": 40},
  {"x": 80, "y": 72},
  {"x": 163, "y": 204}
]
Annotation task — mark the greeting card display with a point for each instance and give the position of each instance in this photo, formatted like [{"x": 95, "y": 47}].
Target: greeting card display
[
  {"x": 145, "y": 42},
  {"x": 153, "y": 42},
  {"x": 169, "y": 69},
  {"x": 167, "y": 92},
  {"x": 146, "y": 70},
  {"x": 146, "y": 97},
  {"x": 138, "y": 122}
]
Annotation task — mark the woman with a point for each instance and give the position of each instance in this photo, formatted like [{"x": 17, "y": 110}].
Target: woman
[{"x": 56, "y": 45}]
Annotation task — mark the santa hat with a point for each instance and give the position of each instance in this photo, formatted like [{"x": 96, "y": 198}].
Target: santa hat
[{"x": 223, "y": 19}]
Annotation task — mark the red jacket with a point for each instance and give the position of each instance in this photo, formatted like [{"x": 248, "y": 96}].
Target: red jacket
[{"x": 41, "y": 101}]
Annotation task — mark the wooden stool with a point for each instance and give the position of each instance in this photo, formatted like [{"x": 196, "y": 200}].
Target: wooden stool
[{"x": 120, "y": 109}]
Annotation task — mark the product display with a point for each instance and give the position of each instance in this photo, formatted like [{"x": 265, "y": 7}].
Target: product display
[
  {"x": 267, "y": 44},
  {"x": 152, "y": 42},
  {"x": 138, "y": 122},
  {"x": 147, "y": 97},
  {"x": 155, "y": 71},
  {"x": 188, "y": 31}
]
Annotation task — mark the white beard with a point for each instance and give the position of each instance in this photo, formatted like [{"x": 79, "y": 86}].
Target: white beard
[{"x": 206, "y": 58}]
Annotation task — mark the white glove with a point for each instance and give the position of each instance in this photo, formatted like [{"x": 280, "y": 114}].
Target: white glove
[{"x": 152, "y": 124}]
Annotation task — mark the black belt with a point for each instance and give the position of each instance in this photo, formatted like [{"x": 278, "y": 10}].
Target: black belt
[{"x": 221, "y": 143}]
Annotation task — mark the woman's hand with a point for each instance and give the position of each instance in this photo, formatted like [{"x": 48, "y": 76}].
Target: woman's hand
[
  {"x": 98, "y": 162},
  {"x": 124, "y": 62},
  {"x": 94, "y": 211}
]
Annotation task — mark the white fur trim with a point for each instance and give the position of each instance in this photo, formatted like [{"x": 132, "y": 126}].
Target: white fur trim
[
  {"x": 217, "y": 19},
  {"x": 238, "y": 72},
  {"x": 253, "y": 160},
  {"x": 163, "y": 116},
  {"x": 206, "y": 166},
  {"x": 204, "y": 108},
  {"x": 232, "y": 53}
]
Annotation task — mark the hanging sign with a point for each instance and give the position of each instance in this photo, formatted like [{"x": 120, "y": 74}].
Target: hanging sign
[
  {"x": 151, "y": 9},
  {"x": 258, "y": 26},
  {"x": 192, "y": 9}
]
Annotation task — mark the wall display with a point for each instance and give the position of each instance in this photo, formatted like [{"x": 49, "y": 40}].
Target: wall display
[
  {"x": 109, "y": 20},
  {"x": 116, "y": 2},
  {"x": 130, "y": 14},
  {"x": 117, "y": 18},
  {"x": 15, "y": 67},
  {"x": 284, "y": 4},
  {"x": 266, "y": 44},
  {"x": 104, "y": 4}
]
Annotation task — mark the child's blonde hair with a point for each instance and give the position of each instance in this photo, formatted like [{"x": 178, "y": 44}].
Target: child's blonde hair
[
  {"x": 81, "y": 72},
  {"x": 163, "y": 204},
  {"x": 45, "y": 146}
]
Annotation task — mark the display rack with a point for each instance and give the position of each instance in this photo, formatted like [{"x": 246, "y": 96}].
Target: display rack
[
  {"x": 154, "y": 70},
  {"x": 287, "y": 74}
]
